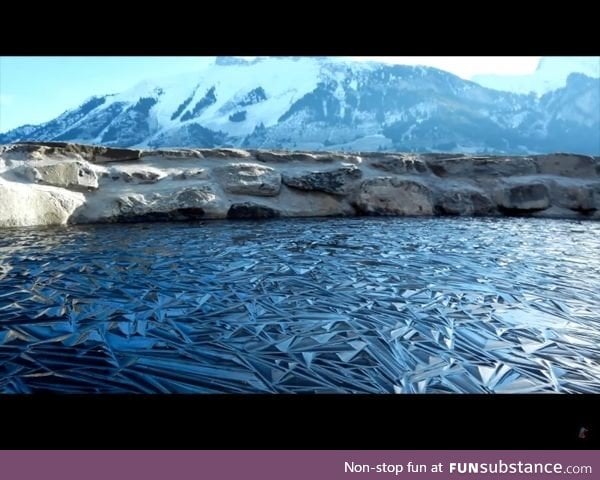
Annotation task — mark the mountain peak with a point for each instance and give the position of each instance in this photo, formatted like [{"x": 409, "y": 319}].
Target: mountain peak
[
  {"x": 329, "y": 103},
  {"x": 226, "y": 61}
]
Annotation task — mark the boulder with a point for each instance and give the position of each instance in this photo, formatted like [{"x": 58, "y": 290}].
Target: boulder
[
  {"x": 393, "y": 196},
  {"x": 187, "y": 204},
  {"x": 336, "y": 182},
  {"x": 578, "y": 197},
  {"x": 71, "y": 175},
  {"x": 523, "y": 197},
  {"x": 30, "y": 205},
  {"x": 249, "y": 179},
  {"x": 464, "y": 202}
]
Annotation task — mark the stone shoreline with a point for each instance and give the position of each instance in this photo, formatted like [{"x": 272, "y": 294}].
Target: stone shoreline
[{"x": 60, "y": 183}]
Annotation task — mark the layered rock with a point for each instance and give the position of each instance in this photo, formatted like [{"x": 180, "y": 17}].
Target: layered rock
[{"x": 48, "y": 184}]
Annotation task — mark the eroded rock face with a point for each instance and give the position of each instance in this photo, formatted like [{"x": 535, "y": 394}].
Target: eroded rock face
[
  {"x": 71, "y": 175},
  {"x": 283, "y": 157},
  {"x": 464, "y": 202},
  {"x": 173, "y": 153},
  {"x": 249, "y": 179},
  {"x": 393, "y": 196},
  {"x": 195, "y": 197},
  {"x": 191, "y": 174},
  {"x": 336, "y": 182},
  {"x": 226, "y": 153},
  {"x": 472, "y": 167},
  {"x": 108, "y": 155},
  {"x": 62, "y": 151},
  {"x": 140, "y": 176},
  {"x": 596, "y": 196},
  {"x": 400, "y": 165},
  {"x": 525, "y": 197},
  {"x": 56, "y": 183},
  {"x": 566, "y": 165},
  {"x": 304, "y": 157}
]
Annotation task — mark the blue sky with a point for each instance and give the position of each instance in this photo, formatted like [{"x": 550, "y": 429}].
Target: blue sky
[{"x": 37, "y": 89}]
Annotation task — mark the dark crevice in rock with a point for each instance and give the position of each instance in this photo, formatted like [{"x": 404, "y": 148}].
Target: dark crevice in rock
[
  {"x": 191, "y": 213},
  {"x": 439, "y": 170},
  {"x": 177, "y": 215},
  {"x": 585, "y": 211},
  {"x": 444, "y": 211},
  {"x": 518, "y": 212},
  {"x": 251, "y": 211}
]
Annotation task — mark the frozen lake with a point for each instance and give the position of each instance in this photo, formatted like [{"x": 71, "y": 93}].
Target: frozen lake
[{"x": 318, "y": 305}]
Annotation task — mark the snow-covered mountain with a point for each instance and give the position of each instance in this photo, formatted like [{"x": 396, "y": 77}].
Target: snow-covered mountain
[
  {"x": 318, "y": 103},
  {"x": 551, "y": 74}
]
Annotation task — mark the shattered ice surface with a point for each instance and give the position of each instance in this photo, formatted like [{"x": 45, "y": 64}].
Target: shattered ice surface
[{"x": 400, "y": 305}]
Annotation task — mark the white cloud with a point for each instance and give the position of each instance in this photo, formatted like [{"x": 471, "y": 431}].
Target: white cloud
[{"x": 467, "y": 67}]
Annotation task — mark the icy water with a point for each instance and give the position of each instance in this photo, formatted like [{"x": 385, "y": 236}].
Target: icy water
[{"x": 326, "y": 305}]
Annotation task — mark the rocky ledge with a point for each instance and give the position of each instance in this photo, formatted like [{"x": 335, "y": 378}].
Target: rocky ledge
[{"x": 60, "y": 183}]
